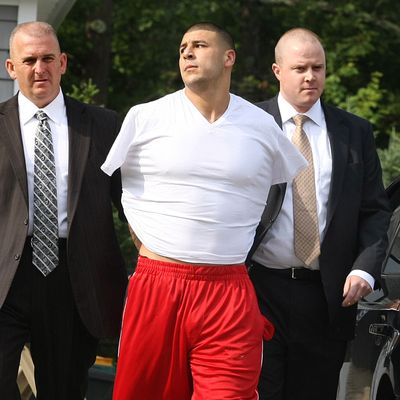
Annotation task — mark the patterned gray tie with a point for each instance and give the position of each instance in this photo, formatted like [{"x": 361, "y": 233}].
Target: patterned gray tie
[{"x": 45, "y": 220}]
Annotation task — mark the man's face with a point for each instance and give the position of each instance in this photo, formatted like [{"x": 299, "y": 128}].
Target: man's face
[
  {"x": 301, "y": 73},
  {"x": 203, "y": 57},
  {"x": 37, "y": 64}
]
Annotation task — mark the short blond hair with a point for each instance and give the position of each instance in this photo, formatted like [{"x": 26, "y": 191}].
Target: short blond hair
[{"x": 301, "y": 34}]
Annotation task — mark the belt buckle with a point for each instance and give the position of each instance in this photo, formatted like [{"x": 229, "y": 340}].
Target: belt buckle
[{"x": 293, "y": 273}]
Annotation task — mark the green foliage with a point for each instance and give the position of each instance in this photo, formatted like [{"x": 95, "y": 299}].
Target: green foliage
[
  {"x": 390, "y": 158},
  {"x": 85, "y": 92},
  {"x": 364, "y": 102},
  {"x": 361, "y": 37}
]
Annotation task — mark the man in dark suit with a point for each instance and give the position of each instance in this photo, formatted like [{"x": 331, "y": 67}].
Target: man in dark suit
[
  {"x": 61, "y": 313},
  {"x": 313, "y": 300}
]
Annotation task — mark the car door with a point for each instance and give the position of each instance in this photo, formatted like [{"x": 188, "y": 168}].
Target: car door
[{"x": 372, "y": 367}]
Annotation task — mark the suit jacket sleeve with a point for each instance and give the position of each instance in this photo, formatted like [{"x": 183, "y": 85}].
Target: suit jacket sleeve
[{"x": 374, "y": 215}]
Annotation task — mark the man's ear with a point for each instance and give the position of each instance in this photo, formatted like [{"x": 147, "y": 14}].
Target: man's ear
[
  {"x": 10, "y": 68},
  {"x": 276, "y": 69},
  {"x": 63, "y": 63},
  {"x": 230, "y": 57}
]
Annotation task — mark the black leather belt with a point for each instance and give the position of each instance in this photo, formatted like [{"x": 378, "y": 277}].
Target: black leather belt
[{"x": 296, "y": 273}]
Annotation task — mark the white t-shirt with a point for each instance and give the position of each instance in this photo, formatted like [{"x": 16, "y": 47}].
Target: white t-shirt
[{"x": 195, "y": 190}]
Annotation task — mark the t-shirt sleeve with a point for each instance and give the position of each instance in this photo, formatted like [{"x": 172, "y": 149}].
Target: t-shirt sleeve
[
  {"x": 119, "y": 150},
  {"x": 288, "y": 160}
]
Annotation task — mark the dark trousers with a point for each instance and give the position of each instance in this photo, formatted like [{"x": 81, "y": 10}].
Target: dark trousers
[
  {"x": 303, "y": 359},
  {"x": 41, "y": 310}
]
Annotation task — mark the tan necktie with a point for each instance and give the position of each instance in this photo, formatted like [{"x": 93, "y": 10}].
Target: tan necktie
[{"x": 306, "y": 231}]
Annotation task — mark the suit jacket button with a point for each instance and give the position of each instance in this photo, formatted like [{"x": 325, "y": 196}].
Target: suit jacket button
[
  {"x": 26, "y": 221},
  {"x": 17, "y": 257}
]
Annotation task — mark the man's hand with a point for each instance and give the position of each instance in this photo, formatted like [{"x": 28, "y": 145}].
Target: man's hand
[{"x": 354, "y": 289}]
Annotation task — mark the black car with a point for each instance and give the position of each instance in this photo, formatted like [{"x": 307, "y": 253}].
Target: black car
[{"x": 372, "y": 367}]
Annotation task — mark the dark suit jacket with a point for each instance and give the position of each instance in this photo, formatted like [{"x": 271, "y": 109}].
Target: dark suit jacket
[
  {"x": 95, "y": 264},
  {"x": 358, "y": 212}
]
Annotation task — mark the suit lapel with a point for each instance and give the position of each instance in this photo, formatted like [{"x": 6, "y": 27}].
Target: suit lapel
[
  {"x": 79, "y": 142},
  {"x": 10, "y": 135},
  {"x": 338, "y": 134},
  {"x": 273, "y": 109}
]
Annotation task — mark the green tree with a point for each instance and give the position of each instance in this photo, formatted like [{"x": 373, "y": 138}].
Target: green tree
[
  {"x": 390, "y": 158},
  {"x": 362, "y": 38}
]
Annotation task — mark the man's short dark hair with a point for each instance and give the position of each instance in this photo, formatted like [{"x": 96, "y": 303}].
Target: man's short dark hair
[{"x": 210, "y": 26}]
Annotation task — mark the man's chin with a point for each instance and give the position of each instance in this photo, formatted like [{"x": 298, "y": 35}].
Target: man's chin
[
  {"x": 42, "y": 98},
  {"x": 310, "y": 100}
]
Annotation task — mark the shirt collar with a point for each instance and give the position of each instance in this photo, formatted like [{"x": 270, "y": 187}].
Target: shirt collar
[
  {"x": 54, "y": 110},
  {"x": 315, "y": 113}
]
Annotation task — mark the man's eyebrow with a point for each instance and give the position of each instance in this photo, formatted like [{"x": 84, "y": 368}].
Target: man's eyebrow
[
  {"x": 202, "y": 41},
  {"x": 199, "y": 41},
  {"x": 33, "y": 57}
]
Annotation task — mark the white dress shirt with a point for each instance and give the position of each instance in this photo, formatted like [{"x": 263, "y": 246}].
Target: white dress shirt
[
  {"x": 57, "y": 118},
  {"x": 277, "y": 248}
]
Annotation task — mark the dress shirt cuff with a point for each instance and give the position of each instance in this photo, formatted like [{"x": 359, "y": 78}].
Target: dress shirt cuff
[{"x": 365, "y": 275}]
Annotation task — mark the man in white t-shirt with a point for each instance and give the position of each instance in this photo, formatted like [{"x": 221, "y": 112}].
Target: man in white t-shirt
[{"x": 196, "y": 167}]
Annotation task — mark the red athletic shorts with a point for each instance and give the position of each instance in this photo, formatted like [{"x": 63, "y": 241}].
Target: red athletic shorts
[{"x": 190, "y": 332}]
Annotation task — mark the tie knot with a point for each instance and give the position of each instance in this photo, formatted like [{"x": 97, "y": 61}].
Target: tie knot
[
  {"x": 41, "y": 115},
  {"x": 299, "y": 120}
]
